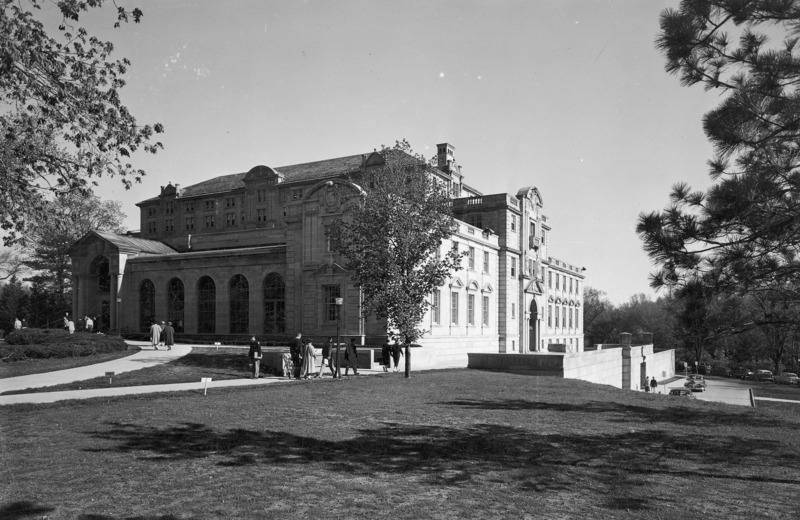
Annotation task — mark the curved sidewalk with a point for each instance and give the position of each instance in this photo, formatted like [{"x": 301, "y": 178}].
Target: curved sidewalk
[{"x": 145, "y": 358}]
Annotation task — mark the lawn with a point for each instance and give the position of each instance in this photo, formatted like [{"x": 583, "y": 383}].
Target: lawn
[
  {"x": 218, "y": 364},
  {"x": 447, "y": 444},
  {"x": 40, "y": 366}
]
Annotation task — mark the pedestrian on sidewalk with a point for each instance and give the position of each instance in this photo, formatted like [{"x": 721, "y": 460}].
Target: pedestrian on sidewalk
[
  {"x": 309, "y": 359},
  {"x": 169, "y": 335},
  {"x": 161, "y": 335},
  {"x": 326, "y": 358},
  {"x": 647, "y": 384},
  {"x": 155, "y": 335},
  {"x": 255, "y": 356},
  {"x": 351, "y": 357},
  {"x": 397, "y": 353},
  {"x": 653, "y": 385},
  {"x": 296, "y": 351},
  {"x": 386, "y": 356}
]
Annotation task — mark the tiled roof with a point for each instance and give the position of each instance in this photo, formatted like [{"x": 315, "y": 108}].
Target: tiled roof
[
  {"x": 126, "y": 243},
  {"x": 292, "y": 173}
]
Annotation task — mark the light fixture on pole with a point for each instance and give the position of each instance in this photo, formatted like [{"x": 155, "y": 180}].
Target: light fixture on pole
[{"x": 339, "y": 302}]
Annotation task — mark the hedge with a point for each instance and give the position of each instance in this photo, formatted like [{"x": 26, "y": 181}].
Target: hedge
[{"x": 57, "y": 343}]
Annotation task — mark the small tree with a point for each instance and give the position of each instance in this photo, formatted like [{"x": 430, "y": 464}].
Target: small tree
[
  {"x": 391, "y": 238},
  {"x": 62, "y": 122}
]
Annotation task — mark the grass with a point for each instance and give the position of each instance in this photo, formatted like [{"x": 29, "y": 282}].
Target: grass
[
  {"x": 40, "y": 366},
  {"x": 447, "y": 444},
  {"x": 219, "y": 364}
]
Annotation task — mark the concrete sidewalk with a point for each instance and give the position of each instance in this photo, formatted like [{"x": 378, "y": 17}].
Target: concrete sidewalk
[{"x": 145, "y": 358}]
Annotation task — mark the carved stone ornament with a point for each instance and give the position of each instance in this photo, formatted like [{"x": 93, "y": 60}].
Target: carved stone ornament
[{"x": 332, "y": 198}]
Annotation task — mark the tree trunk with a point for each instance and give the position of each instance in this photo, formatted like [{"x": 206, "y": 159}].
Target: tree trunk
[{"x": 408, "y": 361}]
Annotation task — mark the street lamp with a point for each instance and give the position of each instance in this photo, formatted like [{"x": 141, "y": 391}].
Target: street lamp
[{"x": 339, "y": 302}]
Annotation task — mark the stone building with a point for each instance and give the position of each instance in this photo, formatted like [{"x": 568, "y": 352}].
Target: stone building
[{"x": 247, "y": 254}]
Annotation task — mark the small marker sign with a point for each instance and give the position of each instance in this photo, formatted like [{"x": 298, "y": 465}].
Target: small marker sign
[
  {"x": 205, "y": 380},
  {"x": 110, "y": 376},
  {"x": 217, "y": 344}
]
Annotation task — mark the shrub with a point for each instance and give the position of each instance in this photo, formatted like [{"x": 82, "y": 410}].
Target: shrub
[{"x": 57, "y": 343}]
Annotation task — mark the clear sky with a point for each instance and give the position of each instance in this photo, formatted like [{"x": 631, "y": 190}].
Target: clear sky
[{"x": 568, "y": 96}]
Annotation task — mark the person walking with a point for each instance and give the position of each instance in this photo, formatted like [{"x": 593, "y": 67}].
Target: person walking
[
  {"x": 169, "y": 335},
  {"x": 647, "y": 384},
  {"x": 155, "y": 335},
  {"x": 397, "y": 353},
  {"x": 71, "y": 327},
  {"x": 653, "y": 385},
  {"x": 351, "y": 357},
  {"x": 17, "y": 324},
  {"x": 88, "y": 323},
  {"x": 161, "y": 335},
  {"x": 309, "y": 359},
  {"x": 296, "y": 351},
  {"x": 255, "y": 356},
  {"x": 66, "y": 321},
  {"x": 326, "y": 358},
  {"x": 386, "y": 356}
]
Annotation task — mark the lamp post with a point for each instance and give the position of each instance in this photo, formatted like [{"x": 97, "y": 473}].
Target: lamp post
[{"x": 339, "y": 302}]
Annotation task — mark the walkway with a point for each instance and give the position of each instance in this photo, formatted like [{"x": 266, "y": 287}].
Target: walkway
[{"x": 143, "y": 359}]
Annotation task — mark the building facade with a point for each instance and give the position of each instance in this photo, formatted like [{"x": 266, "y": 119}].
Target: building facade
[{"x": 248, "y": 254}]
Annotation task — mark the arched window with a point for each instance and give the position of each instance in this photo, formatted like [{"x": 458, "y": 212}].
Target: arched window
[
  {"x": 274, "y": 304},
  {"x": 99, "y": 269},
  {"x": 206, "y": 306},
  {"x": 175, "y": 299},
  {"x": 240, "y": 304},
  {"x": 147, "y": 305}
]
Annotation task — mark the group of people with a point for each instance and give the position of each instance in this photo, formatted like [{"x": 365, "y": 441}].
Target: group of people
[
  {"x": 650, "y": 384},
  {"x": 85, "y": 324},
  {"x": 301, "y": 362},
  {"x": 390, "y": 355},
  {"x": 162, "y": 335}
]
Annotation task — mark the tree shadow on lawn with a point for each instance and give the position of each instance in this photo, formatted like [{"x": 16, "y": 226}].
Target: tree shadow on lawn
[
  {"x": 682, "y": 415},
  {"x": 23, "y": 509},
  {"x": 615, "y": 466}
]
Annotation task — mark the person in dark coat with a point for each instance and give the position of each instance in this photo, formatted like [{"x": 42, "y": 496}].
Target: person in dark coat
[
  {"x": 397, "y": 353},
  {"x": 161, "y": 335},
  {"x": 386, "y": 356},
  {"x": 169, "y": 335},
  {"x": 296, "y": 351},
  {"x": 255, "y": 356},
  {"x": 351, "y": 357},
  {"x": 653, "y": 385}
]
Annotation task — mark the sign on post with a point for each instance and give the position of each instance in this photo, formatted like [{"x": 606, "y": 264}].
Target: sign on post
[
  {"x": 217, "y": 344},
  {"x": 110, "y": 376},
  {"x": 205, "y": 380}
]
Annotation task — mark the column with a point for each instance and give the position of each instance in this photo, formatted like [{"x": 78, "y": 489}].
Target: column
[{"x": 76, "y": 295}]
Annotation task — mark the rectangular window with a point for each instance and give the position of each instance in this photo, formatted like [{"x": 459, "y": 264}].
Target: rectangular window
[
  {"x": 331, "y": 311},
  {"x": 454, "y": 308},
  {"x": 297, "y": 193},
  {"x": 169, "y": 225},
  {"x": 570, "y": 285},
  {"x": 209, "y": 221},
  {"x": 261, "y": 195},
  {"x": 471, "y": 258},
  {"x": 230, "y": 202},
  {"x": 544, "y": 236},
  {"x": 471, "y": 309},
  {"x": 151, "y": 212},
  {"x": 533, "y": 229},
  {"x": 261, "y": 215},
  {"x": 211, "y": 204},
  {"x": 230, "y": 219},
  {"x": 188, "y": 207},
  {"x": 558, "y": 320},
  {"x": 558, "y": 282},
  {"x": 436, "y": 307},
  {"x": 485, "y": 311},
  {"x": 549, "y": 315},
  {"x": 513, "y": 267},
  {"x": 513, "y": 222},
  {"x": 486, "y": 261},
  {"x": 170, "y": 208},
  {"x": 564, "y": 316},
  {"x": 550, "y": 279},
  {"x": 570, "y": 318},
  {"x": 151, "y": 226},
  {"x": 189, "y": 222},
  {"x": 513, "y": 311}
]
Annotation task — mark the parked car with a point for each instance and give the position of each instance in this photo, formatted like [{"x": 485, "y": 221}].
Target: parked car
[
  {"x": 787, "y": 378},
  {"x": 681, "y": 392},
  {"x": 761, "y": 376},
  {"x": 739, "y": 373},
  {"x": 695, "y": 384}
]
